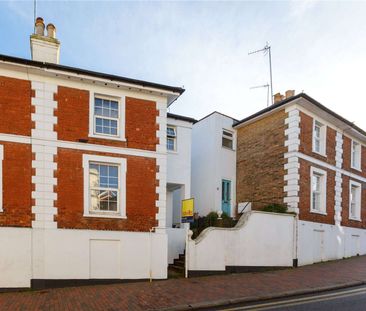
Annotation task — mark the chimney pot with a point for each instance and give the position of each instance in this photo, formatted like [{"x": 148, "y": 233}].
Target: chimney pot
[
  {"x": 290, "y": 93},
  {"x": 51, "y": 31},
  {"x": 278, "y": 97},
  {"x": 39, "y": 26}
]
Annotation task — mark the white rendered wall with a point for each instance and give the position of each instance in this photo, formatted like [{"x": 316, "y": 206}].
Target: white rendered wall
[
  {"x": 211, "y": 163},
  {"x": 15, "y": 259},
  {"x": 80, "y": 254},
  {"x": 322, "y": 242},
  {"x": 179, "y": 161},
  {"x": 245, "y": 245}
]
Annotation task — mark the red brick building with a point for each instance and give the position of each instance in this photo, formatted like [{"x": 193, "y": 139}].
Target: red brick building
[
  {"x": 299, "y": 153},
  {"x": 83, "y": 171}
]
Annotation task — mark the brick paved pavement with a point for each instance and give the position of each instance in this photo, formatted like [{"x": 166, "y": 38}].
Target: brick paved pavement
[{"x": 183, "y": 292}]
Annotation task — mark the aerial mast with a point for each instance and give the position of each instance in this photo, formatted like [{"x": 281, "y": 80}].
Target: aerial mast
[{"x": 267, "y": 50}]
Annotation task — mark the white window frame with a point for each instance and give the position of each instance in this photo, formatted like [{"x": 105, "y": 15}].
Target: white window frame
[
  {"x": 1, "y": 176},
  {"x": 323, "y": 198},
  {"x": 353, "y": 183},
  {"x": 175, "y": 138},
  {"x": 227, "y": 137},
  {"x": 121, "y": 116},
  {"x": 122, "y": 163},
  {"x": 322, "y": 138},
  {"x": 356, "y": 166}
]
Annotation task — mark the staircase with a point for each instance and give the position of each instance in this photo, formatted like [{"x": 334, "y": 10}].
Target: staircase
[{"x": 177, "y": 269}]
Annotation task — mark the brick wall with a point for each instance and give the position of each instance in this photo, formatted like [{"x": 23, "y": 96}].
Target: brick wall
[
  {"x": 141, "y": 124},
  {"x": 73, "y": 120},
  {"x": 15, "y": 105},
  {"x": 305, "y": 194},
  {"x": 140, "y": 192},
  {"x": 260, "y": 160},
  {"x": 17, "y": 186},
  {"x": 306, "y": 140}
]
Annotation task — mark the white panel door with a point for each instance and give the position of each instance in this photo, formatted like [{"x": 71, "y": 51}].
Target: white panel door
[{"x": 318, "y": 245}]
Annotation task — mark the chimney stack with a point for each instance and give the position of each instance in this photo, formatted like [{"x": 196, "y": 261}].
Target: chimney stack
[
  {"x": 39, "y": 29},
  {"x": 289, "y": 93},
  {"x": 45, "y": 48},
  {"x": 51, "y": 31},
  {"x": 278, "y": 97}
]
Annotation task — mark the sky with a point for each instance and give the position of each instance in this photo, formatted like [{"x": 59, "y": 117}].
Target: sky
[{"x": 318, "y": 47}]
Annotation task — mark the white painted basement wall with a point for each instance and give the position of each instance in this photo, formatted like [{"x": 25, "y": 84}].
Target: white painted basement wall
[
  {"x": 80, "y": 254},
  {"x": 260, "y": 239}
]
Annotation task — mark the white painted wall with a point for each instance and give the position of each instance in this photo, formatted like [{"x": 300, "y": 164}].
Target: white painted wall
[
  {"x": 15, "y": 259},
  {"x": 211, "y": 163},
  {"x": 322, "y": 242},
  {"x": 80, "y": 254},
  {"x": 179, "y": 161},
  {"x": 246, "y": 244}
]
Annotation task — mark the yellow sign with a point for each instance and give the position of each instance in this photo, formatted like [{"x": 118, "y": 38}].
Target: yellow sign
[{"x": 187, "y": 210}]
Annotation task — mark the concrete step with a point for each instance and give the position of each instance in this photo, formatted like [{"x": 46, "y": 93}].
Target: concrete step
[
  {"x": 179, "y": 262},
  {"x": 175, "y": 268}
]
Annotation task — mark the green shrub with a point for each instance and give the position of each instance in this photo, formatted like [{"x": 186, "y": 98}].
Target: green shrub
[
  {"x": 275, "y": 208},
  {"x": 211, "y": 220}
]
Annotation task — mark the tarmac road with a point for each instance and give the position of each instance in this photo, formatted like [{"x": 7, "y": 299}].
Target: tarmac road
[{"x": 352, "y": 298}]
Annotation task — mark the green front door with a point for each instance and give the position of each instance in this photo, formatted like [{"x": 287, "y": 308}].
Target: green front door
[{"x": 226, "y": 197}]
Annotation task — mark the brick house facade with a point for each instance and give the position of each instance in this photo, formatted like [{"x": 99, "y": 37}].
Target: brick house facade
[
  {"x": 299, "y": 153},
  {"x": 83, "y": 168}
]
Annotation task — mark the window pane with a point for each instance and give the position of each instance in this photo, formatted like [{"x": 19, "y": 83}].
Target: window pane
[
  {"x": 103, "y": 182},
  {"x": 316, "y": 183},
  {"x": 226, "y": 133},
  {"x": 113, "y": 123},
  {"x": 94, "y": 201},
  {"x": 113, "y": 171},
  {"x": 113, "y": 182},
  {"x": 114, "y": 113},
  {"x": 171, "y": 131},
  {"x": 226, "y": 142},
  {"x": 98, "y": 111},
  {"x": 99, "y": 129},
  {"x": 317, "y": 145},
  {"x": 114, "y": 105},
  {"x": 103, "y": 170},
  {"x": 98, "y": 102},
  {"x": 316, "y": 201},
  {"x": 170, "y": 143}
]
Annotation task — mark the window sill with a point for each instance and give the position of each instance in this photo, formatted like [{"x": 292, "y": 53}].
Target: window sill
[
  {"x": 172, "y": 151},
  {"x": 355, "y": 219},
  {"x": 313, "y": 211},
  {"x": 106, "y": 137},
  {"x": 356, "y": 168},
  {"x": 227, "y": 148},
  {"x": 114, "y": 216},
  {"x": 320, "y": 153}
]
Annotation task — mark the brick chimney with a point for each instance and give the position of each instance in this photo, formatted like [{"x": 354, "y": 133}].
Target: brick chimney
[
  {"x": 278, "y": 97},
  {"x": 44, "y": 48},
  {"x": 289, "y": 93}
]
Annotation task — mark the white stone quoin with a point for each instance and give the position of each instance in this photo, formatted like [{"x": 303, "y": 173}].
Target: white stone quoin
[
  {"x": 161, "y": 162},
  {"x": 44, "y": 162},
  {"x": 292, "y": 166}
]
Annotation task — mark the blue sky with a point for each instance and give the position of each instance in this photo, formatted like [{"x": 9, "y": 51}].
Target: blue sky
[{"x": 318, "y": 47}]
